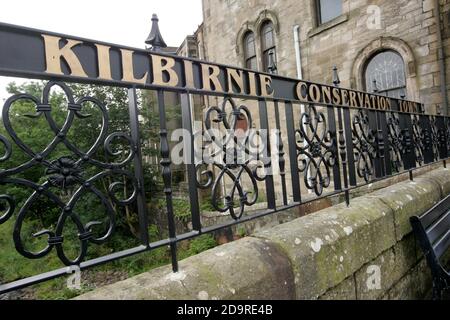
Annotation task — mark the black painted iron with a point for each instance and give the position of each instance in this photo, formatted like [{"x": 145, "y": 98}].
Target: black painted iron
[
  {"x": 324, "y": 147},
  {"x": 432, "y": 229}
]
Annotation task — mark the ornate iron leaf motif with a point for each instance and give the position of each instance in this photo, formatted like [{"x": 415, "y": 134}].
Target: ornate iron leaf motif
[
  {"x": 418, "y": 140},
  {"x": 436, "y": 138},
  {"x": 397, "y": 142},
  {"x": 63, "y": 173},
  {"x": 364, "y": 145},
  {"x": 316, "y": 150},
  {"x": 239, "y": 170}
]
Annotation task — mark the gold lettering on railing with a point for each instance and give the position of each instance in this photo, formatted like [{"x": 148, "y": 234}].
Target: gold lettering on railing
[
  {"x": 210, "y": 74},
  {"x": 237, "y": 77},
  {"x": 252, "y": 84},
  {"x": 167, "y": 71},
  {"x": 189, "y": 74},
  {"x": 164, "y": 65},
  {"x": 104, "y": 62},
  {"x": 266, "y": 86},
  {"x": 54, "y": 54},
  {"x": 128, "y": 68}
]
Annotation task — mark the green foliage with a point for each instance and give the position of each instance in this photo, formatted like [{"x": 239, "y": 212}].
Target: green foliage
[
  {"x": 241, "y": 232},
  {"x": 200, "y": 244},
  {"x": 206, "y": 205},
  {"x": 36, "y": 133},
  {"x": 182, "y": 210}
]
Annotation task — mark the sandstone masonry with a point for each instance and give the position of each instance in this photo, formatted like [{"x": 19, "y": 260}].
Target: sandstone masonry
[{"x": 365, "y": 251}]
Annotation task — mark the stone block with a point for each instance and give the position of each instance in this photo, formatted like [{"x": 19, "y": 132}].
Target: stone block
[
  {"x": 408, "y": 199},
  {"x": 246, "y": 269},
  {"x": 413, "y": 286},
  {"x": 442, "y": 177},
  {"x": 343, "y": 291},
  {"x": 327, "y": 247},
  {"x": 390, "y": 266}
]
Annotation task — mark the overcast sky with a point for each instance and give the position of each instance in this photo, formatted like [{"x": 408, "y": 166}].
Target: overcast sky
[{"x": 121, "y": 22}]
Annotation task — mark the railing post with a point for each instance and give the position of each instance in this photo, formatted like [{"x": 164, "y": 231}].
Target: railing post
[
  {"x": 281, "y": 153},
  {"x": 342, "y": 143},
  {"x": 292, "y": 145},
  {"x": 334, "y": 137},
  {"x": 167, "y": 178},
  {"x": 379, "y": 143},
  {"x": 264, "y": 124},
  {"x": 138, "y": 170},
  {"x": 190, "y": 161}
]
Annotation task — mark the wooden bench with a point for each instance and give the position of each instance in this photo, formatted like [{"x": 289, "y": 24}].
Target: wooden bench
[{"x": 432, "y": 229}]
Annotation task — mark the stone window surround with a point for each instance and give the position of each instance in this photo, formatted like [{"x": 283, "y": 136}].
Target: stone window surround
[
  {"x": 319, "y": 28},
  {"x": 382, "y": 44},
  {"x": 328, "y": 25},
  {"x": 255, "y": 27}
]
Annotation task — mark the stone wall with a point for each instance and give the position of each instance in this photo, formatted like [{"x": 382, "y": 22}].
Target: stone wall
[
  {"x": 365, "y": 251},
  {"x": 407, "y": 26}
]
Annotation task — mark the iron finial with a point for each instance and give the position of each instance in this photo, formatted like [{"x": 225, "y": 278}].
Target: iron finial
[
  {"x": 155, "y": 39},
  {"x": 272, "y": 68},
  {"x": 375, "y": 86},
  {"x": 336, "y": 80}
]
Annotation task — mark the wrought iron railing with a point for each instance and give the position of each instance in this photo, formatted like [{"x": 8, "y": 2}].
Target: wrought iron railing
[{"x": 326, "y": 140}]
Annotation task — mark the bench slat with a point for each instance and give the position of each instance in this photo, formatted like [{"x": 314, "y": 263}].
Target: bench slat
[
  {"x": 433, "y": 214},
  {"x": 442, "y": 245},
  {"x": 438, "y": 228}
]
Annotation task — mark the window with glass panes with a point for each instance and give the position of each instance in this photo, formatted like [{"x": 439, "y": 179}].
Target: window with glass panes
[{"x": 385, "y": 73}]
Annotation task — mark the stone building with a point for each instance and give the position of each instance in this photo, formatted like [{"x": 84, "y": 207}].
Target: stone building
[
  {"x": 396, "y": 48},
  {"x": 403, "y": 45}
]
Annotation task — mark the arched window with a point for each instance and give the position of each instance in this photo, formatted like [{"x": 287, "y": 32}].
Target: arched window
[
  {"x": 385, "y": 74},
  {"x": 269, "y": 52},
  {"x": 250, "y": 51}
]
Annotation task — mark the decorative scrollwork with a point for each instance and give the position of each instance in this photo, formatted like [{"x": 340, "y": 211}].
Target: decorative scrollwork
[
  {"x": 316, "y": 150},
  {"x": 238, "y": 171},
  {"x": 66, "y": 172},
  {"x": 418, "y": 140},
  {"x": 397, "y": 142},
  {"x": 364, "y": 144},
  {"x": 435, "y": 137}
]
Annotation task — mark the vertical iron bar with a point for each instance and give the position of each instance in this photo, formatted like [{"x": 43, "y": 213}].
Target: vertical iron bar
[
  {"x": 383, "y": 133},
  {"x": 442, "y": 136},
  {"x": 281, "y": 153},
  {"x": 191, "y": 165},
  {"x": 138, "y": 170},
  {"x": 349, "y": 146},
  {"x": 343, "y": 155},
  {"x": 332, "y": 129},
  {"x": 425, "y": 125},
  {"x": 264, "y": 124},
  {"x": 167, "y": 177},
  {"x": 292, "y": 144},
  {"x": 373, "y": 124},
  {"x": 408, "y": 156}
]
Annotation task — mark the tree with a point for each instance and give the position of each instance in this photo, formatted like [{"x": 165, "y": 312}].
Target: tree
[{"x": 35, "y": 132}]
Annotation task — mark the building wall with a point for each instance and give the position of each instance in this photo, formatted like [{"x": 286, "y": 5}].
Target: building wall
[{"x": 407, "y": 26}]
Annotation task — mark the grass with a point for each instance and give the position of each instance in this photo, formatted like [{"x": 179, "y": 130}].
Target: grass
[{"x": 13, "y": 266}]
